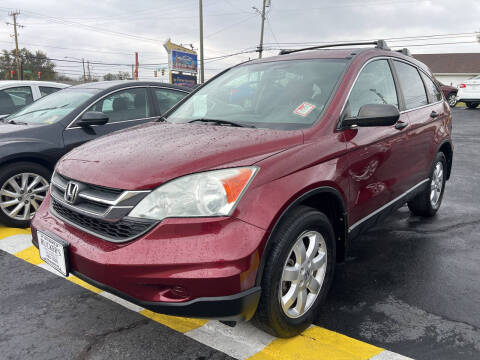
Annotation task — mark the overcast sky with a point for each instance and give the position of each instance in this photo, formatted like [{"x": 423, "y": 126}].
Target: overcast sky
[{"x": 110, "y": 31}]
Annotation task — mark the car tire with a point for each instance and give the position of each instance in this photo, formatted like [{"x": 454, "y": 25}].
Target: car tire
[
  {"x": 307, "y": 226},
  {"x": 29, "y": 183},
  {"x": 471, "y": 105},
  {"x": 428, "y": 202},
  {"x": 452, "y": 99}
]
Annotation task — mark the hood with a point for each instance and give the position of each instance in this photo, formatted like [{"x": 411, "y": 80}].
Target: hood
[{"x": 144, "y": 157}]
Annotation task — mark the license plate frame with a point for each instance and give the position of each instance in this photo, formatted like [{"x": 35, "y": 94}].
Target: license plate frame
[{"x": 54, "y": 251}]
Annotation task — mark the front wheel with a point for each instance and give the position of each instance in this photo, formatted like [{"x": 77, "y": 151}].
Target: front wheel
[
  {"x": 452, "y": 99},
  {"x": 298, "y": 273},
  {"x": 23, "y": 186},
  {"x": 471, "y": 105},
  {"x": 428, "y": 202}
]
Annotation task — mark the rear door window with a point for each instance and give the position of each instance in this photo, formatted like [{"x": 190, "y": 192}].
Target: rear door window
[
  {"x": 47, "y": 90},
  {"x": 166, "y": 98},
  {"x": 433, "y": 93},
  {"x": 375, "y": 85},
  {"x": 412, "y": 85},
  {"x": 15, "y": 98}
]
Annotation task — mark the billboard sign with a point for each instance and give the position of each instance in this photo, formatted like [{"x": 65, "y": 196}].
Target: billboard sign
[
  {"x": 183, "y": 61},
  {"x": 183, "y": 79}
]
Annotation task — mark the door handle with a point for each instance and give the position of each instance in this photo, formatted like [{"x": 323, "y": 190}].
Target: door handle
[
  {"x": 399, "y": 125},
  {"x": 433, "y": 114}
]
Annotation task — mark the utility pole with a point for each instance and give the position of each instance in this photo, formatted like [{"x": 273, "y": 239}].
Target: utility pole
[
  {"x": 202, "y": 73},
  {"x": 260, "y": 48},
  {"x": 88, "y": 69},
  {"x": 136, "y": 65},
  {"x": 83, "y": 65},
  {"x": 14, "y": 14}
]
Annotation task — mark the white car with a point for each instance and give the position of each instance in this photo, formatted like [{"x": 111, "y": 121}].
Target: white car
[
  {"x": 14, "y": 95},
  {"x": 469, "y": 92}
]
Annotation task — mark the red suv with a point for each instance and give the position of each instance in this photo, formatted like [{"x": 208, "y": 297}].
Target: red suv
[{"x": 238, "y": 203}]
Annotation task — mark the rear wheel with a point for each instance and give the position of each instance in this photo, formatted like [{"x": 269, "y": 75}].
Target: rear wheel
[
  {"x": 23, "y": 186},
  {"x": 471, "y": 105},
  {"x": 428, "y": 202},
  {"x": 452, "y": 99},
  {"x": 298, "y": 273}
]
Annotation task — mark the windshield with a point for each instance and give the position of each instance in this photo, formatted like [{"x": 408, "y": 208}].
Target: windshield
[
  {"x": 52, "y": 108},
  {"x": 285, "y": 95}
]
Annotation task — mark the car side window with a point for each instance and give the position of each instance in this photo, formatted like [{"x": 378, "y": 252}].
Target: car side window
[
  {"x": 13, "y": 99},
  {"x": 167, "y": 98},
  {"x": 374, "y": 85},
  {"x": 124, "y": 105},
  {"x": 412, "y": 85},
  {"x": 433, "y": 92},
  {"x": 47, "y": 90}
]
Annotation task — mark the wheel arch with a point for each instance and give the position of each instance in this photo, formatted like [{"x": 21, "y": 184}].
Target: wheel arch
[
  {"x": 447, "y": 149},
  {"x": 326, "y": 199},
  {"x": 29, "y": 158}
]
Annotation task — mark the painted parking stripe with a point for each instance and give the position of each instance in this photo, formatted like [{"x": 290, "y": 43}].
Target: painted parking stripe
[{"x": 244, "y": 341}]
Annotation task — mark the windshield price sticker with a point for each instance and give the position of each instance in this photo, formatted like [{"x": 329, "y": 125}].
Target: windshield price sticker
[{"x": 304, "y": 109}]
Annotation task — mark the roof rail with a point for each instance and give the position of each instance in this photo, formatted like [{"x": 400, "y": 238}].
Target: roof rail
[
  {"x": 405, "y": 51},
  {"x": 379, "y": 44}
]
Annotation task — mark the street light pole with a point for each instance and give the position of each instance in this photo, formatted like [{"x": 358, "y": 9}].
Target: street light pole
[{"x": 202, "y": 74}]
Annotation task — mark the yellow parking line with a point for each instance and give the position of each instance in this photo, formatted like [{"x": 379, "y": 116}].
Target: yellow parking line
[
  {"x": 313, "y": 343},
  {"x": 179, "y": 324},
  {"x": 30, "y": 255},
  {"x": 84, "y": 284},
  {"x": 6, "y": 232},
  {"x": 317, "y": 343}
]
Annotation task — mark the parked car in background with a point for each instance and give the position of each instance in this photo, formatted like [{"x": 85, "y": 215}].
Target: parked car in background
[
  {"x": 469, "y": 92},
  {"x": 14, "y": 95},
  {"x": 450, "y": 93},
  {"x": 239, "y": 201},
  {"x": 34, "y": 138}
]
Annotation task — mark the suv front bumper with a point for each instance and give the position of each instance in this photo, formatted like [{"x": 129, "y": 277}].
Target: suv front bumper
[{"x": 203, "y": 268}]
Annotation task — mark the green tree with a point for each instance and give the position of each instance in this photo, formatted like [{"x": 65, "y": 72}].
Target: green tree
[
  {"x": 122, "y": 75},
  {"x": 31, "y": 64}
]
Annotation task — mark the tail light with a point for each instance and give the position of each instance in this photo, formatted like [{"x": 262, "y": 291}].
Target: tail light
[{"x": 463, "y": 86}]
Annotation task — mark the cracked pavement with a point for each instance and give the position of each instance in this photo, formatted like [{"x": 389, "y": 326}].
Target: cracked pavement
[{"x": 412, "y": 285}]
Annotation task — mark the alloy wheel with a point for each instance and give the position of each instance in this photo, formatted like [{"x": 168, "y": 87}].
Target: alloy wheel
[
  {"x": 303, "y": 274},
  {"x": 436, "y": 185},
  {"x": 452, "y": 100},
  {"x": 22, "y": 194}
]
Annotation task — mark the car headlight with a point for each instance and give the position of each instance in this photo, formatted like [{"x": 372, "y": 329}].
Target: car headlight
[{"x": 210, "y": 193}]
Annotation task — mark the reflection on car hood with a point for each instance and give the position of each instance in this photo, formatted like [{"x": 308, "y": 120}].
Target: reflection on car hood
[{"x": 146, "y": 156}]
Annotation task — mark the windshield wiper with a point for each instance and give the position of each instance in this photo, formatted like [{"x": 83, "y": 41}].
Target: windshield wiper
[
  {"x": 220, "y": 122},
  {"x": 45, "y": 109},
  {"x": 16, "y": 122}
]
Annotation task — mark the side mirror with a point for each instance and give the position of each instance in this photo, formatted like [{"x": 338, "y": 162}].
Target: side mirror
[
  {"x": 93, "y": 118},
  {"x": 374, "y": 115}
]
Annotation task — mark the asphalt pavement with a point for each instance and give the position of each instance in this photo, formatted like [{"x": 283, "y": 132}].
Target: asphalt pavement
[{"x": 411, "y": 286}]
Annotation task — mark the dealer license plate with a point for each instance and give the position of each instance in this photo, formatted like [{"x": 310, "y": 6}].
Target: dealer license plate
[{"x": 53, "y": 252}]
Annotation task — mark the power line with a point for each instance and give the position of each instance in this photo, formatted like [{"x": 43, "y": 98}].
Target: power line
[{"x": 406, "y": 38}]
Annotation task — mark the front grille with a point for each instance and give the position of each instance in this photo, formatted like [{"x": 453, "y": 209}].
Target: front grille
[
  {"x": 122, "y": 230},
  {"x": 98, "y": 210}
]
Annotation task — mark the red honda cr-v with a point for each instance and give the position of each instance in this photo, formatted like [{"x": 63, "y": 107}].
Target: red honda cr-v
[{"x": 239, "y": 202}]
